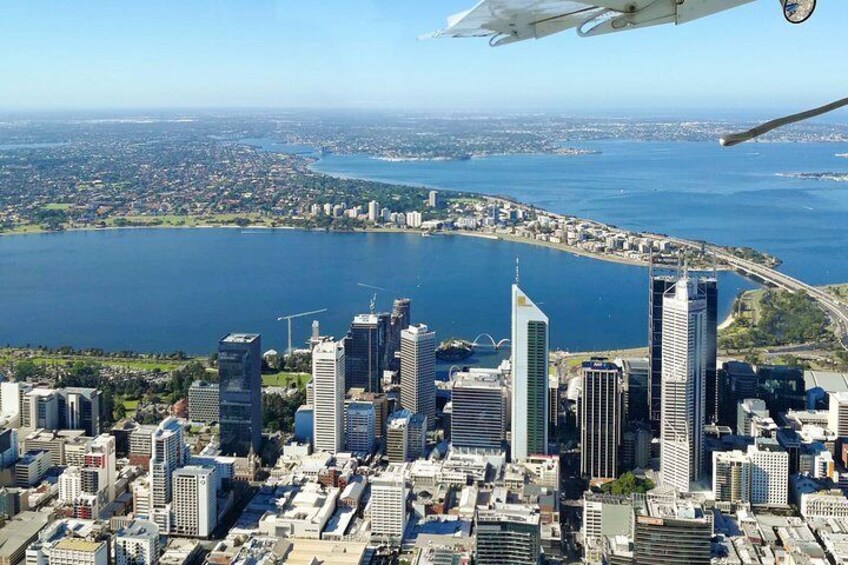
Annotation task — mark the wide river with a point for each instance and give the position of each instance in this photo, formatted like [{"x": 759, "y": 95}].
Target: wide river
[{"x": 163, "y": 290}]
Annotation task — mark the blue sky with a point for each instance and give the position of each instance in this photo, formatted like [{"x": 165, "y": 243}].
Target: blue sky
[{"x": 364, "y": 54}]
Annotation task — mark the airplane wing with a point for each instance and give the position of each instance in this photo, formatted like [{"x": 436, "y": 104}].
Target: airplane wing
[{"x": 508, "y": 21}]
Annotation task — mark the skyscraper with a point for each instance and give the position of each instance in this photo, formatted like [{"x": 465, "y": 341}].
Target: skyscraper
[
  {"x": 529, "y": 377},
  {"x": 418, "y": 371},
  {"x": 635, "y": 384},
  {"x": 478, "y": 421},
  {"x": 406, "y": 434},
  {"x": 361, "y": 421},
  {"x": 240, "y": 393},
  {"x": 600, "y": 420},
  {"x": 731, "y": 476},
  {"x": 167, "y": 453},
  {"x": 659, "y": 286},
  {"x": 769, "y": 472},
  {"x": 328, "y": 381},
  {"x": 365, "y": 351},
  {"x": 684, "y": 352},
  {"x": 399, "y": 321},
  {"x": 195, "y": 502},
  {"x": 388, "y": 505},
  {"x": 79, "y": 409}
]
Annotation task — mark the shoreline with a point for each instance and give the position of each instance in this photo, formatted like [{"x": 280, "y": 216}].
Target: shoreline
[{"x": 577, "y": 252}]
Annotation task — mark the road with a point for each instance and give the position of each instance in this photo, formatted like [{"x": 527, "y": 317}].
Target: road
[{"x": 835, "y": 308}]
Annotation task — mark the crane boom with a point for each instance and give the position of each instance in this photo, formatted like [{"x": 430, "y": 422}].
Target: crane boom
[{"x": 289, "y": 319}]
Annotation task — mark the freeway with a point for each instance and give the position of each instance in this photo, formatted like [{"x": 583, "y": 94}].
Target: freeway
[{"x": 835, "y": 308}]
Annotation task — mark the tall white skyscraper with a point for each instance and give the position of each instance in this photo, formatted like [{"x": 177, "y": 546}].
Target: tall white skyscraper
[
  {"x": 684, "y": 357},
  {"x": 328, "y": 383},
  {"x": 529, "y": 377},
  {"x": 388, "y": 504},
  {"x": 418, "y": 371},
  {"x": 168, "y": 453},
  {"x": 374, "y": 211},
  {"x": 195, "y": 503}
]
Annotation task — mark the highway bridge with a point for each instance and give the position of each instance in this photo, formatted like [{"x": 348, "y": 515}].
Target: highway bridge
[{"x": 834, "y": 307}]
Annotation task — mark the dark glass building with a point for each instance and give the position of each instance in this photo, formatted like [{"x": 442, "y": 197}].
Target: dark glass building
[
  {"x": 737, "y": 382},
  {"x": 782, "y": 388},
  {"x": 365, "y": 352},
  {"x": 635, "y": 380},
  {"x": 240, "y": 393},
  {"x": 658, "y": 286},
  {"x": 399, "y": 320},
  {"x": 79, "y": 409}
]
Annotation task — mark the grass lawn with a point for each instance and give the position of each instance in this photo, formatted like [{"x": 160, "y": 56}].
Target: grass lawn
[
  {"x": 130, "y": 405},
  {"x": 285, "y": 379},
  {"x": 129, "y": 363}
]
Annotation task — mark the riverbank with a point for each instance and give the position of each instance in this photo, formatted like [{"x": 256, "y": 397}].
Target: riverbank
[
  {"x": 190, "y": 222},
  {"x": 35, "y": 230}
]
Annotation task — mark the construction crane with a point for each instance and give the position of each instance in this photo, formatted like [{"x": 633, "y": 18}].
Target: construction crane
[{"x": 289, "y": 319}]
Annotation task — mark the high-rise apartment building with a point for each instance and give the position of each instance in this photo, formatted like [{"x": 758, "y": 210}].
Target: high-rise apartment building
[
  {"x": 732, "y": 477},
  {"x": 388, "y": 505},
  {"x": 769, "y": 473},
  {"x": 240, "y": 394},
  {"x": 167, "y": 453},
  {"x": 195, "y": 512},
  {"x": 529, "y": 377},
  {"x": 137, "y": 544}
]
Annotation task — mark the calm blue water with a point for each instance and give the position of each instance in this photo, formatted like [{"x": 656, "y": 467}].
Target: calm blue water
[
  {"x": 698, "y": 190},
  {"x": 163, "y": 290}
]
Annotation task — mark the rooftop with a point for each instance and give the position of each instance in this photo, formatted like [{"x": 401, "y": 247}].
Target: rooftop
[
  {"x": 239, "y": 338},
  {"x": 76, "y": 544}
]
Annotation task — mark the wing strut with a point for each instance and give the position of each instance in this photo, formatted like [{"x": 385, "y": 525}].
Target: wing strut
[{"x": 732, "y": 139}]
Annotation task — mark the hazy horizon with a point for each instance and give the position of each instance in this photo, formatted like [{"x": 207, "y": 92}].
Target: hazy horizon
[{"x": 365, "y": 55}]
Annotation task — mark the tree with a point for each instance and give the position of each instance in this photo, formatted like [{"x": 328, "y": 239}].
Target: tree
[
  {"x": 278, "y": 411},
  {"x": 27, "y": 370},
  {"x": 628, "y": 484},
  {"x": 182, "y": 378}
]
